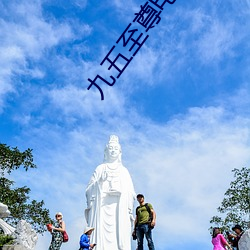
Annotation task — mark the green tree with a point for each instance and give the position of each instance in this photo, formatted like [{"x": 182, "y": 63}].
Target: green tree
[
  {"x": 235, "y": 207},
  {"x": 17, "y": 199}
]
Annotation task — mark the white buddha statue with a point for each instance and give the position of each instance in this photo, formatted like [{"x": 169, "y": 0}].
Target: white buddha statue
[{"x": 110, "y": 197}]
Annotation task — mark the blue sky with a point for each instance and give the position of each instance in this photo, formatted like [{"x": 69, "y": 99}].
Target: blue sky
[{"x": 180, "y": 108}]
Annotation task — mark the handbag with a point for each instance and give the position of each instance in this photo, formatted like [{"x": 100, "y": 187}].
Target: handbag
[{"x": 65, "y": 236}]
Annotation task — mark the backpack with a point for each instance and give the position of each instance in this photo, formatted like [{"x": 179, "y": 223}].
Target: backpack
[{"x": 149, "y": 212}]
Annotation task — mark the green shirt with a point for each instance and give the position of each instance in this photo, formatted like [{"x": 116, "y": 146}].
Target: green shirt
[{"x": 142, "y": 214}]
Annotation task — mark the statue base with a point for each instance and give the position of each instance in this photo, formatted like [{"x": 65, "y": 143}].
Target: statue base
[{"x": 12, "y": 247}]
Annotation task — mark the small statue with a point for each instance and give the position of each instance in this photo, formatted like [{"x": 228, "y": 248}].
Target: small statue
[{"x": 23, "y": 234}]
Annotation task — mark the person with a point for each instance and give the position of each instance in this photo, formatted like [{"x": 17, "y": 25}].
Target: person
[
  {"x": 56, "y": 231},
  {"x": 218, "y": 240},
  {"x": 110, "y": 198},
  {"x": 85, "y": 239},
  {"x": 231, "y": 240},
  {"x": 239, "y": 231},
  {"x": 142, "y": 226}
]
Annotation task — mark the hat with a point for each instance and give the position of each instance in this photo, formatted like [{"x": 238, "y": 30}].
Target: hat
[
  {"x": 59, "y": 213},
  {"x": 87, "y": 229},
  {"x": 237, "y": 227}
]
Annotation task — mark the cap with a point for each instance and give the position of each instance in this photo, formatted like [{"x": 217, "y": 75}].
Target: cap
[
  {"x": 237, "y": 227},
  {"x": 140, "y": 195}
]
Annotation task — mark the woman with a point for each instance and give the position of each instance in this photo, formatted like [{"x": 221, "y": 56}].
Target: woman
[
  {"x": 56, "y": 231},
  {"x": 84, "y": 240},
  {"x": 218, "y": 240}
]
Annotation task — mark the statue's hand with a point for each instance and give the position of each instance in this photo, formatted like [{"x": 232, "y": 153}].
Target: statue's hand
[
  {"x": 90, "y": 202},
  {"x": 132, "y": 217},
  {"x": 104, "y": 176}
]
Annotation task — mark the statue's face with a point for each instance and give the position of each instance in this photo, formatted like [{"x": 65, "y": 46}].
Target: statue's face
[{"x": 114, "y": 150}]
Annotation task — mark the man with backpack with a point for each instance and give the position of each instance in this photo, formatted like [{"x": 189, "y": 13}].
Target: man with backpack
[{"x": 144, "y": 223}]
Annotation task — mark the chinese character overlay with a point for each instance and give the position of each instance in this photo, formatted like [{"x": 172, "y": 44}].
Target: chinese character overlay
[{"x": 147, "y": 17}]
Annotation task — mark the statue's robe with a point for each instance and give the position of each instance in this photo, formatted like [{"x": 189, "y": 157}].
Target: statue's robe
[{"x": 110, "y": 197}]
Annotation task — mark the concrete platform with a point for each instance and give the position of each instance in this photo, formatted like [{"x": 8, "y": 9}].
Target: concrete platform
[{"x": 13, "y": 247}]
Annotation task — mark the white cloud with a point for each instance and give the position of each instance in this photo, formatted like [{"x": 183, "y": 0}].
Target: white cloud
[
  {"x": 201, "y": 34},
  {"x": 183, "y": 167},
  {"x": 32, "y": 33},
  {"x": 25, "y": 35},
  {"x": 80, "y": 3},
  {"x": 216, "y": 43},
  {"x": 126, "y": 11},
  {"x": 80, "y": 102}
]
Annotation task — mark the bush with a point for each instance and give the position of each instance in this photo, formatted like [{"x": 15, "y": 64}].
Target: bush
[{"x": 6, "y": 240}]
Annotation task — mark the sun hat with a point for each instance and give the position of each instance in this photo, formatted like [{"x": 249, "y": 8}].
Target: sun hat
[
  {"x": 87, "y": 229},
  {"x": 59, "y": 213}
]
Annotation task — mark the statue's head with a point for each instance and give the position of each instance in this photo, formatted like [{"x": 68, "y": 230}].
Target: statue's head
[{"x": 113, "y": 150}]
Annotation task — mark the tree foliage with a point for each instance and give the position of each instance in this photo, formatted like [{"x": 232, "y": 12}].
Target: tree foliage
[
  {"x": 235, "y": 206},
  {"x": 12, "y": 159},
  {"x": 17, "y": 199},
  {"x": 6, "y": 239}
]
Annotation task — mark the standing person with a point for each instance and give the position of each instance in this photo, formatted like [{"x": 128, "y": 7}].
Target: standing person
[
  {"x": 239, "y": 231},
  {"x": 218, "y": 240},
  {"x": 85, "y": 239},
  {"x": 110, "y": 198},
  {"x": 142, "y": 226},
  {"x": 56, "y": 231},
  {"x": 231, "y": 239}
]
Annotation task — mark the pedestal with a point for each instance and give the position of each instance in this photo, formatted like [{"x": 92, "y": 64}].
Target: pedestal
[{"x": 13, "y": 247}]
